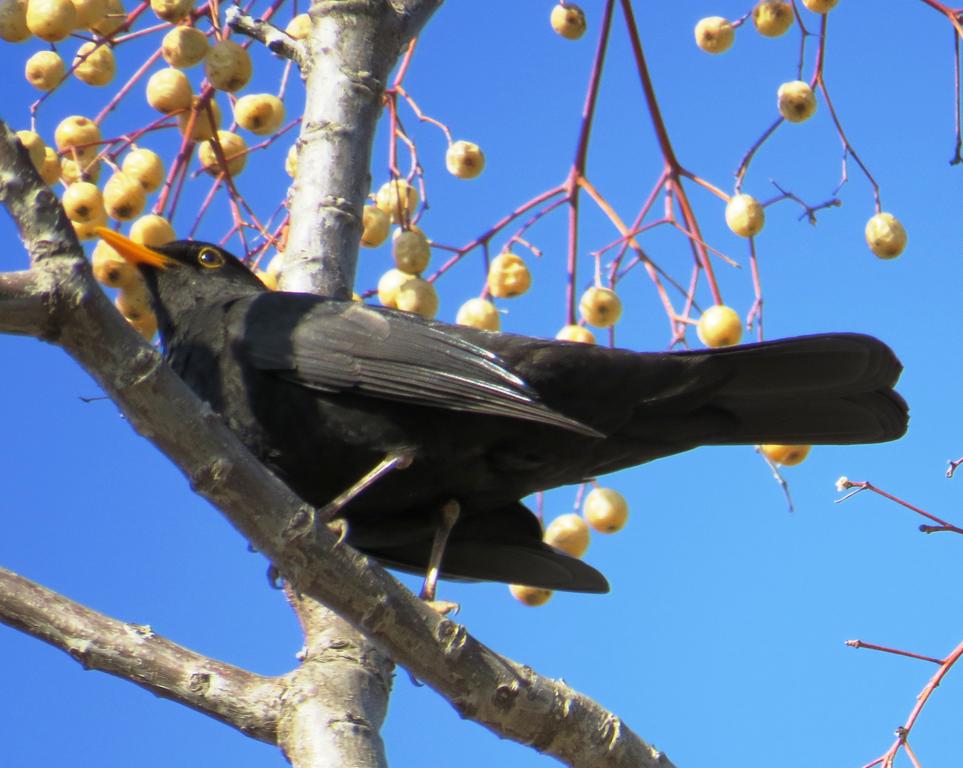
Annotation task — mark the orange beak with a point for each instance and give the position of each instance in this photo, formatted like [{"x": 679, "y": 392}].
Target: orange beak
[{"x": 134, "y": 253}]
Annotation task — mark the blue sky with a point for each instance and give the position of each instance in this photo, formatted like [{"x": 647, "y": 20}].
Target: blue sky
[{"x": 725, "y": 626}]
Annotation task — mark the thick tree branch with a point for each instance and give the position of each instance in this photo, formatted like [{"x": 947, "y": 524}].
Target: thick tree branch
[
  {"x": 134, "y": 652},
  {"x": 275, "y": 40}
]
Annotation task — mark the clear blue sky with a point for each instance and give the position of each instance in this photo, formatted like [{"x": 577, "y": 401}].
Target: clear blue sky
[{"x": 722, "y": 638}]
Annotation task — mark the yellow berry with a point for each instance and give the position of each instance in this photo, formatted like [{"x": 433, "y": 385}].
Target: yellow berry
[
  {"x": 772, "y": 18},
  {"x": 577, "y": 333},
  {"x": 145, "y": 166},
  {"x": 152, "y": 230},
  {"x": 796, "y": 101},
  {"x": 418, "y": 296},
  {"x": 94, "y": 64},
  {"x": 171, "y": 10},
  {"x": 228, "y": 66},
  {"x": 145, "y": 325},
  {"x": 87, "y": 230},
  {"x": 51, "y": 20},
  {"x": 600, "y": 307},
  {"x": 719, "y": 326},
  {"x": 235, "y": 153},
  {"x": 744, "y": 215},
  {"x": 820, "y": 6},
  {"x": 299, "y": 27},
  {"x": 787, "y": 455},
  {"x": 204, "y": 127},
  {"x": 388, "y": 286},
  {"x": 50, "y": 171},
  {"x": 44, "y": 70},
  {"x": 35, "y": 147},
  {"x": 169, "y": 90},
  {"x": 110, "y": 268},
  {"x": 410, "y": 250},
  {"x": 84, "y": 170},
  {"x": 885, "y": 236},
  {"x": 269, "y": 279},
  {"x": 124, "y": 197},
  {"x": 569, "y": 533},
  {"x": 465, "y": 160},
  {"x": 376, "y": 225},
  {"x": 112, "y": 20},
  {"x": 13, "y": 21},
  {"x": 480, "y": 314},
  {"x": 530, "y": 596},
  {"x": 83, "y": 202},
  {"x": 714, "y": 34},
  {"x": 398, "y": 199},
  {"x": 508, "y": 276},
  {"x": 133, "y": 301},
  {"x": 80, "y": 134},
  {"x": 184, "y": 47},
  {"x": 606, "y": 510},
  {"x": 259, "y": 113},
  {"x": 89, "y": 12},
  {"x": 568, "y": 20}
]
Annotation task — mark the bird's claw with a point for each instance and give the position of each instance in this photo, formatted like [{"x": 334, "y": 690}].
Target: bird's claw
[
  {"x": 338, "y": 526},
  {"x": 444, "y": 607}
]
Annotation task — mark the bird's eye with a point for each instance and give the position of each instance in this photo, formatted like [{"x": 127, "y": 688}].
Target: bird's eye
[{"x": 210, "y": 258}]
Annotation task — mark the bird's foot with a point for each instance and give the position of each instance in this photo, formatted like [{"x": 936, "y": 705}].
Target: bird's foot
[
  {"x": 444, "y": 607},
  {"x": 449, "y": 516},
  {"x": 392, "y": 461},
  {"x": 338, "y": 526}
]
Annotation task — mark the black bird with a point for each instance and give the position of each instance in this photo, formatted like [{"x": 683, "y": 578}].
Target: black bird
[{"x": 325, "y": 391}]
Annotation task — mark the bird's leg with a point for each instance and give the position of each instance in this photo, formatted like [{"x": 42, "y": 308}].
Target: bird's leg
[
  {"x": 449, "y": 516},
  {"x": 400, "y": 460}
]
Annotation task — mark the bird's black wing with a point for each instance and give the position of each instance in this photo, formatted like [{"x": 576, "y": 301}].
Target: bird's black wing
[{"x": 337, "y": 346}]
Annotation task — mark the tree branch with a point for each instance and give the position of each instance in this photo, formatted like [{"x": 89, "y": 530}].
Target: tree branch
[
  {"x": 275, "y": 40},
  {"x": 234, "y": 696}
]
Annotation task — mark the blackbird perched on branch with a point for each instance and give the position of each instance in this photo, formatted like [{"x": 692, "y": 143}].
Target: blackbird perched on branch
[{"x": 425, "y": 436}]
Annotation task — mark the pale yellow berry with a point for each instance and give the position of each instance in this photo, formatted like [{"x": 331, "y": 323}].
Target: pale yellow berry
[
  {"x": 606, "y": 510},
  {"x": 259, "y": 113},
  {"x": 83, "y": 170},
  {"x": 398, "y": 199},
  {"x": 169, "y": 90},
  {"x": 820, "y": 6},
  {"x": 270, "y": 280},
  {"x": 577, "y": 333},
  {"x": 772, "y": 18},
  {"x": 145, "y": 325},
  {"x": 44, "y": 70},
  {"x": 568, "y": 20},
  {"x": 204, "y": 127},
  {"x": 94, "y": 64},
  {"x": 465, "y": 160},
  {"x": 89, "y": 12},
  {"x": 83, "y": 202},
  {"x": 145, "y": 166},
  {"x": 291, "y": 169},
  {"x": 152, "y": 230},
  {"x": 796, "y": 101},
  {"x": 110, "y": 268},
  {"x": 719, "y": 326},
  {"x": 228, "y": 66},
  {"x": 714, "y": 34},
  {"x": 418, "y": 296},
  {"x": 87, "y": 230},
  {"x": 133, "y": 301},
  {"x": 569, "y": 533},
  {"x": 480, "y": 314},
  {"x": 410, "y": 250},
  {"x": 533, "y": 597},
  {"x": 111, "y": 21},
  {"x": 79, "y": 134},
  {"x": 745, "y": 215},
  {"x": 51, "y": 20},
  {"x": 50, "y": 171},
  {"x": 376, "y": 224},
  {"x": 184, "y": 47},
  {"x": 388, "y": 286},
  {"x": 171, "y": 10},
  {"x": 885, "y": 236},
  {"x": 124, "y": 197},
  {"x": 235, "y": 153},
  {"x": 299, "y": 27},
  {"x": 600, "y": 307},
  {"x": 13, "y": 21},
  {"x": 508, "y": 276},
  {"x": 35, "y": 147},
  {"x": 787, "y": 455}
]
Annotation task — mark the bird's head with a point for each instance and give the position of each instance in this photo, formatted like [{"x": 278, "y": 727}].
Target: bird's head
[{"x": 185, "y": 274}]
